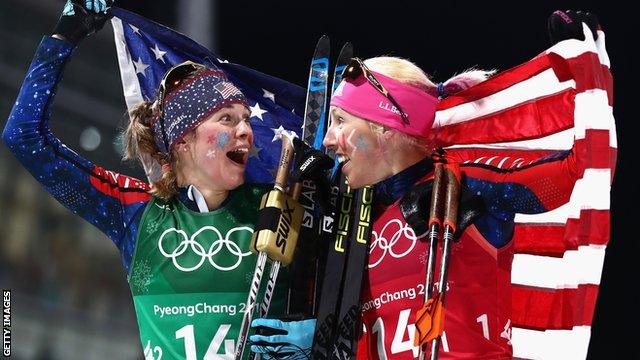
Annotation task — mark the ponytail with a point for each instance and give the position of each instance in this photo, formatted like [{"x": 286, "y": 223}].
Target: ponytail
[
  {"x": 140, "y": 144},
  {"x": 460, "y": 82}
]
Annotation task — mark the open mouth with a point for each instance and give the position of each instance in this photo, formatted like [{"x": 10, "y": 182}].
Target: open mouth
[
  {"x": 342, "y": 159},
  {"x": 238, "y": 156}
]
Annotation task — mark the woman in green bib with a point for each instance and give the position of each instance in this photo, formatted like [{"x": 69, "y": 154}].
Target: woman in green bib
[{"x": 184, "y": 238}]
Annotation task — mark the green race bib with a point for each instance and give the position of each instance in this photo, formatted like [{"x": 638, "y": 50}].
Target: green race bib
[{"x": 191, "y": 274}]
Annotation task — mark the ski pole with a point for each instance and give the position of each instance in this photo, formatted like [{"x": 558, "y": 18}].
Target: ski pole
[
  {"x": 275, "y": 237},
  {"x": 273, "y": 276},
  {"x": 430, "y": 318},
  {"x": 452, "y": 197},
  {"x": 435, "y": 222}
]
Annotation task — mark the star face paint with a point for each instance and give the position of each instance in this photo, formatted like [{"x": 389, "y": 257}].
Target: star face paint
[
  {"x": 357, "y": 146},
  {"x": 222, "y": 140},
  {"x": 362, "y": 143},
  {"x": 220, "y": 149}
]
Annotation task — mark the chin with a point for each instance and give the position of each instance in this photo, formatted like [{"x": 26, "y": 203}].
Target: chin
[
  {"x": 235, "y": 182},
  {"x": 355, "y": 183}
]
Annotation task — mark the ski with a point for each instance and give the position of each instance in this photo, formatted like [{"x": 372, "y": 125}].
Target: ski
[
  {"x": 326, "y": 228},
  {"x": 335, "y": 230},
  {"x": 315, "y": 110},
  {"x": 302, "y": 270},
  {"x": 348, "y": 320},
  {"x": 330, "y": 295}
]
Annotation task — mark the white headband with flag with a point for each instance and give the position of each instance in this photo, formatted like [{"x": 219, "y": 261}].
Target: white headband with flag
[{"x": 146, "y": 50}]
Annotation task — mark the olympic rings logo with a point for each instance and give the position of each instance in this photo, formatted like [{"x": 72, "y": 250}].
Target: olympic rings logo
[
  {"x": 190, "y": 243},
  {"x": 381, "y": 245}
]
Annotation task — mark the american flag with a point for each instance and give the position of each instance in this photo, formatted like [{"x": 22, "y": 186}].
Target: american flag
[
  {"x": 559, "y": 255},
  {"x": 146, "y": 50},
  {"x": 561, "y": 99},
  {"x": 226, "y": 89}
]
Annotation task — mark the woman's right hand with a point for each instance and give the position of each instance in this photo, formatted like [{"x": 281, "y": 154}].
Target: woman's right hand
[{"x": 81, "y": 18}]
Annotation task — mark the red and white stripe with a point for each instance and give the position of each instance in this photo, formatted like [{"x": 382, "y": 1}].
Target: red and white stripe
[{"x": 559, "y": 254}]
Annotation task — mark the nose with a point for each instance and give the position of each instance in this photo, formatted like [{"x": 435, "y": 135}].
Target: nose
[
  {"x": 243, "y": 130},
  {"x": 330, "y": 138}
]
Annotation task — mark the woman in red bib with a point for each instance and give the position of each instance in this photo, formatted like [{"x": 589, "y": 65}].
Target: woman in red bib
[{"x": 382, "y": 117}]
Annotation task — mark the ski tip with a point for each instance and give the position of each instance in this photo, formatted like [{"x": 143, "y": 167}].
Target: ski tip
[
  {"x": 322, "y": 47},
  {"x": 323, "y": 42},
  {"x": 347, "y": 46}
]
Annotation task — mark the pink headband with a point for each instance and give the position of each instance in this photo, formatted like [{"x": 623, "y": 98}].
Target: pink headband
[{"x": 358, "y": 97}]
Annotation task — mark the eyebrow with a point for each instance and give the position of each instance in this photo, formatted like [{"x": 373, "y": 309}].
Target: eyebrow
[{"x": 230, "y": 107}]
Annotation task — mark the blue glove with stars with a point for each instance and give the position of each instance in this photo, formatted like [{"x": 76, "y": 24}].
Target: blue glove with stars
[
  {"x": 276, "y": 338},
  {"x": 82, "y": 18}
]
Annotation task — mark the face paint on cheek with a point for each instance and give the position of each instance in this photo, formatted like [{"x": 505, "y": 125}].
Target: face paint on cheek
[
  {"x": 222, "y": 140},
  {"x": 341, "y": 140},
  {"x": 350, "y": 140},
  {"x": 211, "y": 153},
  {"x": 361, "y": 142}
]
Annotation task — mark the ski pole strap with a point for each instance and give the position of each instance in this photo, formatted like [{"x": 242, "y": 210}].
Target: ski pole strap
[
  {"x": 429, "y": 321},
  {"x": 276, "y": 233},
  {"x": 268, "y": 218}
]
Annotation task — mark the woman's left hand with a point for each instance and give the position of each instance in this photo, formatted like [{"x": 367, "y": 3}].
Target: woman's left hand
[
  {"x": 563, "y": 25},
  {"x": 288, "y": 337}
]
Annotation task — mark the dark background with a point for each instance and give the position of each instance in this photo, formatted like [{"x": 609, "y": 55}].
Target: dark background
[{"x": 278, "y": 38}]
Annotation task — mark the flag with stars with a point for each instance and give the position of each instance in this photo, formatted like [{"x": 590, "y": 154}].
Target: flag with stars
[{"x": 146, "y": 50}]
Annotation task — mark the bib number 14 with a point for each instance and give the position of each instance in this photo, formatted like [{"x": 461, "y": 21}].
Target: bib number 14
[
  {"x": 404, "y": 330},
  {"x": 187, "y": 333},
  {"x": 404, "y": 334}
]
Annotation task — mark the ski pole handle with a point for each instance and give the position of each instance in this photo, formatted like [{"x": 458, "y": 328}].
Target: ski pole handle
[
  {"x": 437, "y": 196},
  {"x": 286, "y": 157},
  {"x": 452, "y": 173},
  {"x": 278, "y": 226},
  {"x": 280, "y": 215}
]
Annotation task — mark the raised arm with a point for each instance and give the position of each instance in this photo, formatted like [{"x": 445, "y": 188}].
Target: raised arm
[
  {"x": 521, "y": 173},
  {"x": 108, "y": 200}
]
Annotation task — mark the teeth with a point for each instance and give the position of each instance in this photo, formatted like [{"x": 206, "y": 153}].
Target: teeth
[
  {"x": 241, "y": 150},
  {"x": 343, "y": 158}
]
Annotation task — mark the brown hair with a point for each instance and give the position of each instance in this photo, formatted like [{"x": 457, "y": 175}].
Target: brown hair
[{"x": 140, "y": 143}]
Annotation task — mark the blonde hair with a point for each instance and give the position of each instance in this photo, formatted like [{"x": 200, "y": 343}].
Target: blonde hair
[
  {"x": 140, "y": 142},
  {"x": 407, "y": 72}
]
